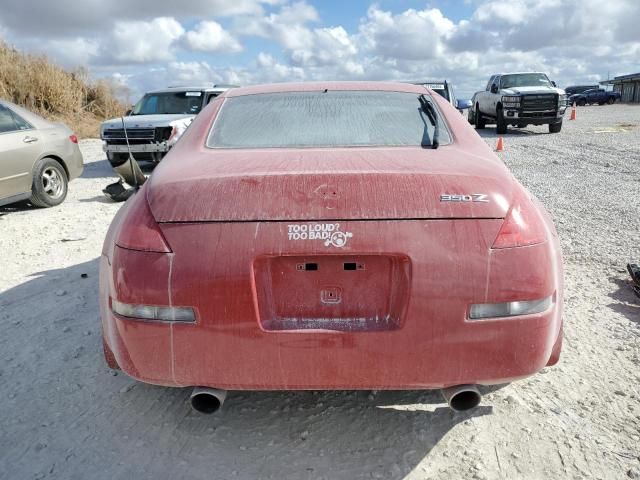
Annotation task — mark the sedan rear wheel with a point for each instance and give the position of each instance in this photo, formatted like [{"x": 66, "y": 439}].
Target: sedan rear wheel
[
  {"x": 50, "y": 184},
  {"x": 611, "y": 101}
]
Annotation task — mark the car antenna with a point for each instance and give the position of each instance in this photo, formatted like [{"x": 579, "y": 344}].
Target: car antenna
[{"x": 133, "y": 173}]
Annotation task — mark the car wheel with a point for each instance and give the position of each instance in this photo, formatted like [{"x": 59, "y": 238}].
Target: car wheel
[
  {"x": 600, "y": 103},
  {"x": 582, "y": 102},
  {"x": 50, "y": 184},
  {"x": 555, "y": 127},
  {"x": 611, "y": 101},
  {"x": 479, "y": 119},
  {"x": 501, "y": 123}
]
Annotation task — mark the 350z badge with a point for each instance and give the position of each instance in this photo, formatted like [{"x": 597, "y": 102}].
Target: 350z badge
[{"x": 474, "y": 197}]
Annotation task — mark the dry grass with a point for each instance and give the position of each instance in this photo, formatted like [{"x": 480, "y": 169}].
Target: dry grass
[{"x": 37, "y": 84}]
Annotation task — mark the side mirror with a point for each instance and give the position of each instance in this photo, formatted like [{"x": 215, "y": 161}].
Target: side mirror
[
  {"x": 463, "y": 104},
  {"x": 554, "y": 84},
  {"x": 494, "y": 88}
]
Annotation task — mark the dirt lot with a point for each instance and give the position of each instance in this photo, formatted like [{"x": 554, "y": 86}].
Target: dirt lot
[{"x": 65, "y": 415}]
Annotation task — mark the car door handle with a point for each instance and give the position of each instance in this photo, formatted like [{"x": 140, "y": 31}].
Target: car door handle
[{"x": 29, "y": 139}]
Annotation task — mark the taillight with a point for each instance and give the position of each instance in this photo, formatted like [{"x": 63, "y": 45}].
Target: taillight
[
  {"x": 73, "y": 139},
  {"x": 139, "y": 230},
  {"x": 152, "y": 312},
  {"x": 522, "y": 226},
  {"x": 509, "y": 309}
]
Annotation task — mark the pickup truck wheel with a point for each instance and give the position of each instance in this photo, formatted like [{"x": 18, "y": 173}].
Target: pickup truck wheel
[
  {"x": 478, "y": 119},
  {"x": 582, "y": 102},
  {"x": 501, "y": 124},
  {"x": 555, "y": 127},
  {"x": 611, "y": 101}
]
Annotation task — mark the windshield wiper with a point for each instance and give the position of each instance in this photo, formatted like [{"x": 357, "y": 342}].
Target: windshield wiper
[{"x": 430, "y": 110}]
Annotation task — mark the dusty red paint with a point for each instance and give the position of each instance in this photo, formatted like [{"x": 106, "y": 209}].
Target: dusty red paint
[{"x": 268, "y": 319}]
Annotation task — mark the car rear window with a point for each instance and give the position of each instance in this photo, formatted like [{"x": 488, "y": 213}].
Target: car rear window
[{"x": 324, "y": 119}]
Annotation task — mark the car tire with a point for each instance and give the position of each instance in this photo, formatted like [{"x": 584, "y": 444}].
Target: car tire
[
  {"x": 117, "y": 159},
  {"x": 478, "y": 119},
  {"x": 50, "y": 184},
  {"x": 601, "y": 103},
  {"x": 611, "y": 101},
  {"x": 555, "y": 127},
  {"x": 582, "y": 102},
  {"x": 501, "y": 123}
]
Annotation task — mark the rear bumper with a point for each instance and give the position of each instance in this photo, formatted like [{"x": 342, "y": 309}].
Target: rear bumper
[
  {"x": 485, "y": 353},
  {"x": 434, "y": 346},
  {"x": 75, "y": 164}
]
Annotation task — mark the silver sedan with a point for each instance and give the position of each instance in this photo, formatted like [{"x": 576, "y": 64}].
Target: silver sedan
[{"x": 38, "y": 158}]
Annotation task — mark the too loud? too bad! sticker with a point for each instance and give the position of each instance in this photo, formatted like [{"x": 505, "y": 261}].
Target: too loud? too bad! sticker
[{"x": 330, "y": 233}]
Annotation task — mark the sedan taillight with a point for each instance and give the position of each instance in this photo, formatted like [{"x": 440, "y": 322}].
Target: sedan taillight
[
  {"x": 139, "y": 230},
  {"x": 153, "y": 312},
  {"x": 522, "y": 226},
  {"x": 73, "y": 139}
]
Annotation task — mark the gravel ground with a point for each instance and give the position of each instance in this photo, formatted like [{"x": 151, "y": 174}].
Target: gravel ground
[{"x": 66, "y": 416}]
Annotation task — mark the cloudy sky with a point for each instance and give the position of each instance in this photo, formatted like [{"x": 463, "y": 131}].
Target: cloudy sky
[{"x": 145, "y": 44}]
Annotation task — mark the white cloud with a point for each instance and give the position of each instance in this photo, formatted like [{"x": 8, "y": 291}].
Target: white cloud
[
  {"x": 120, "y": 80},
  {"x": 287, "y": 27},
  {"x": 140, "y": 42},
  {"x": 209, "y": 36},
  {"x": 69, "y": 17},
  {"x": 511, "y": 12},
  {"x": 317, "y": 51},
  {"x": 326, "y": 46},
  {"x": 573, "y": 40},
  {"x": 202, "y": 73},
  {"x": 269, "y": 70},
  {"x": 413, "y": 34},
  {"x": 189, "y": 73},
  {"x": 74, "y": 51}
]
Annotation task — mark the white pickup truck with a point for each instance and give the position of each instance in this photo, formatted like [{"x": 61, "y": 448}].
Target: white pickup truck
[
  {"x": 155, "y": 123},
  {"x": 519, "y": 99}
]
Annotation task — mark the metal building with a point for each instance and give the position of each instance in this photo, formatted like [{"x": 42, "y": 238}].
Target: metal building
[{"x": 627, "y": 85}]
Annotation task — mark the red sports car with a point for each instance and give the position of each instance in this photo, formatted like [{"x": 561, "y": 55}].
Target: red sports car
[{"x": 331, "y": 236}]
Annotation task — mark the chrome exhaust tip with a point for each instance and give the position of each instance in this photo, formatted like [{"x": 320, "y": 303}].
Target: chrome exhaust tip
[
  {"x": 462, "y": 397},
  {"x": 207, "y": 400}
]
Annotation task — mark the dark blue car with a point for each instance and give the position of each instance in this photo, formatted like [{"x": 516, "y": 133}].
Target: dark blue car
[{"x": 595, "y": 95}]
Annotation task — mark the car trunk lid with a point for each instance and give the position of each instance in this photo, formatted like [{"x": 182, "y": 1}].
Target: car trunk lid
[{"x": 329, "y": 184}]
